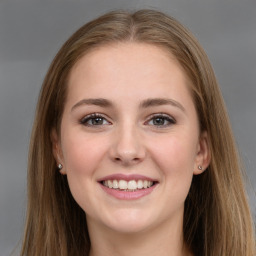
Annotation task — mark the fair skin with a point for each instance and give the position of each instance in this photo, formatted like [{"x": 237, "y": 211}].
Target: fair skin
[{"x": 145, "y": 128}]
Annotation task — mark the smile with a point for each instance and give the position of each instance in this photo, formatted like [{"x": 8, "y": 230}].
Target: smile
[{"x": 130, "y": 185}]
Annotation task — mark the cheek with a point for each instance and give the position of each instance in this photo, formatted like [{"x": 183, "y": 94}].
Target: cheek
[
  {"x": 177, "y": 163},
  {"x": 82, "y": 153},
  {"x": 82, "y": 156},
  {"x": 175, "y": 158},
  {"x": 175, "y": 152}
]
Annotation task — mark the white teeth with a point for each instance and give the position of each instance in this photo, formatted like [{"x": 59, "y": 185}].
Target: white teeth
[
  {"x": 109, "y": 184},
  {"x": 128, "y": 185},
  {"x": 140, "y": 184},
  {"x": 115, "y": 184},
  {"x": 123, "y": 184},
  {"x": 132, "y": 184}
]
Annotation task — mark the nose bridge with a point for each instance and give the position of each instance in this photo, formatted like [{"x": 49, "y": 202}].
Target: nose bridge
[{"x": 128, "y": 144}]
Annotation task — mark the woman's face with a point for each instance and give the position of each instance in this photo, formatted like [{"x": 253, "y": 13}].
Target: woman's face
[{"x": 130, "y": 140}]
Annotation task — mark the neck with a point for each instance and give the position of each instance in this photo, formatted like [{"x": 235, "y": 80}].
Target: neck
[{"x": 162, "y": 240}]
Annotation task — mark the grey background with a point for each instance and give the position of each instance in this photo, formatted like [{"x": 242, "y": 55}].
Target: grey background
[{"x": 31, "y": 32}]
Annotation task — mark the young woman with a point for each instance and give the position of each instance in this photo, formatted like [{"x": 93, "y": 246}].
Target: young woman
[{"x": 131, "y": 151}]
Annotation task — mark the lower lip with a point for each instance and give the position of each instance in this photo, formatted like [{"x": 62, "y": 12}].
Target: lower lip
[{"x": 126, "y": 195}]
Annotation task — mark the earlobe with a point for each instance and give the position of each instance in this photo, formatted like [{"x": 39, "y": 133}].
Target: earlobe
[
  {"x": 57, "y": 152},
  {"x": 203, "y": 156}
]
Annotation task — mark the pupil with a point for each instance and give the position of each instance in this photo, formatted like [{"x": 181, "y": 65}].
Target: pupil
[
  {"x": 158, "y": 121},
  {"x": 97, "y": 120}
]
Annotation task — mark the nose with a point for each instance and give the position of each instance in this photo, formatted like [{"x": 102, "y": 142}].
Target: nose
[{"x": 127, "y": 146}]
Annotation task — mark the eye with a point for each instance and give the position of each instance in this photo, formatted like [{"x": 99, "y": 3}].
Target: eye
[
  {"x": 161, "y": 120},
  {"x": 94, "y": 120}
]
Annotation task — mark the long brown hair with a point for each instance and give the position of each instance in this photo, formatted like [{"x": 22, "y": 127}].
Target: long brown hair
[{"x": 217, "y": 219}]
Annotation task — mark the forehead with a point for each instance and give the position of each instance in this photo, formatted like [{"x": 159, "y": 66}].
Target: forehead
[{"x": 132, "y": 67}]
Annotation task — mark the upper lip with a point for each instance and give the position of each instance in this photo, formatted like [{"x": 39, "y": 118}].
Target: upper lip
[{"x": 127, "y": 177}]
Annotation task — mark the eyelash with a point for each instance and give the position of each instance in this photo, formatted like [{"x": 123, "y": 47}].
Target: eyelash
[
  {"x": 166, "y": 118},
  {"x": 94, "y": 116}
]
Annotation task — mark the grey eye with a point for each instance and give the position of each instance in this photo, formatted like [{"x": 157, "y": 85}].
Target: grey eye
[
  {"x": 161, "y": 120},
  {"x": 94, "y": 120}
]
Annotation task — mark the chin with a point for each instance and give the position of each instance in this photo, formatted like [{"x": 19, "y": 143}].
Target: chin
[{"x": 130, "y": 221}]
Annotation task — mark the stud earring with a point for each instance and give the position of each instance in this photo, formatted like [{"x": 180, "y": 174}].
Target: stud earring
[
  {"x": 200, "y": 167},
  {"x": 60, "y": 166}
]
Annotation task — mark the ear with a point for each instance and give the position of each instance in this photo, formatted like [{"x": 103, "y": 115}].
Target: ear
[
  {"x": 57, "y": 151},
  {"x": 203, "y": 156}
]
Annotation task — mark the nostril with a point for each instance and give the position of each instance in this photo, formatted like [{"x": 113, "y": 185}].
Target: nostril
[{"x": 127, "y": 161}]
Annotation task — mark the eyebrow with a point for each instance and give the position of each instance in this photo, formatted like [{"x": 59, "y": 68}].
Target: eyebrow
[
  {"x": 144, "y": 104},
  {"x": 97, "y": 102},
  {"x": 159, "y": 102}
]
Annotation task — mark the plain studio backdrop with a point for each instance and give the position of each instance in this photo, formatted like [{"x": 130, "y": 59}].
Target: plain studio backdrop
[{"x": 31, "y": 32}]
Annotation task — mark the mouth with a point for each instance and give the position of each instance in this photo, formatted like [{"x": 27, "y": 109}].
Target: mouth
[{"x": 128, "y": 187}]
